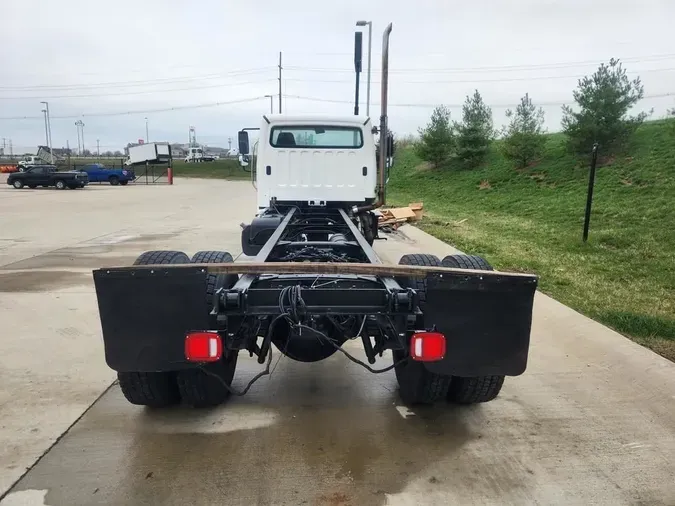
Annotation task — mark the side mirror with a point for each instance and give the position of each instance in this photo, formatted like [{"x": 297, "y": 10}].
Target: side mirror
[{"x": 243, "y": 142}]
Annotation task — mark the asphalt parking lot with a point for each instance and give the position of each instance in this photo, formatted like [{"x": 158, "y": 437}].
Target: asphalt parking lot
[{"x": 592, "y": 421}]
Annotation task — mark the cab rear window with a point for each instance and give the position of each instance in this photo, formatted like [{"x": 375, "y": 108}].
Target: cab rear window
[{"x": 316, "y": 137}]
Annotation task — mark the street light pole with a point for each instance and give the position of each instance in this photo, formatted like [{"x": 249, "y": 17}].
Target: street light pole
[
  {"x": 370, "y": 45},
  {"x": 147, "y": 136},
  {"x": 48, "y": 125},
  {"x": 271, "y": 97},
  {"x": 44, "y": 111}
]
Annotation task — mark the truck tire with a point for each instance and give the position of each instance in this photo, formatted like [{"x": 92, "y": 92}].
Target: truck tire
[
  {"x": 215, "y": 281},
  {"x": 32, "y": 186},
  {"x": 479, "y": 388},
  {"x": 153, "y": 389},
  {"x": 60, "y": 184},
  {"x": 206, "y": 387},
  {"x": 114, "y": 180},
  {"x": 18, "y": 184},
  {"x": 124, "y": 182},
  {"x": 474, "y": 390},
  {"x": 416, "y": 384},
  {"x": 162, "y": 257},
  {"x": 461, "y": 261}
]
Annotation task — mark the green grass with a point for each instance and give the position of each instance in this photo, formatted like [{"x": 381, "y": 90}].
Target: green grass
[
  {"x": 532, "y": 220},
  {"x": 222, "y": 169}
]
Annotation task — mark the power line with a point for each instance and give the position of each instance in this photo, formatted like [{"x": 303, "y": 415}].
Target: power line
[
  {"x": 430, "y": 105},
  {"x": 465, "y": 81},
  {"x": 503, "y": 68},
  {"x": 143, "y": 111},
  {"x": 142, "y": 92},
  {"x": 298, "y": 97},
  {"x": 144, "y": 82}
]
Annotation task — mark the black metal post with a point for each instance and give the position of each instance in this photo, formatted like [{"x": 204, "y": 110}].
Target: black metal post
[
  {"x": 358, "y": 52},
  {"x": 591, "y": 184}
]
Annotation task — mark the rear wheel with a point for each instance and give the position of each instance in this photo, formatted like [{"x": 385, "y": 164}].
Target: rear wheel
[
  {"x": 32, "y": 186},
  {"x": 114, "y": 180},
  {"x": 207, "y": 386},
  {"x": 479, "y": 388},
  {"x": 474, "y": 390},
  {"x": 124, "y": 183},
  {"x": 154, "y": 389},
  {"x": 416, "y": 384},
  {"x": 462, "y": 261}
]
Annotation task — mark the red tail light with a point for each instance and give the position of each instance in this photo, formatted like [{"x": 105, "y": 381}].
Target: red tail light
[
  {"x": 203, "y": 347},
  {"x": 427, "y": 346}
]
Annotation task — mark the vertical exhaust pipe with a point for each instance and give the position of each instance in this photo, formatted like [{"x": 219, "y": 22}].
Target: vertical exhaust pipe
[
  {"x": 384, "y": 129},
  {"x": 358, "y": 57}
]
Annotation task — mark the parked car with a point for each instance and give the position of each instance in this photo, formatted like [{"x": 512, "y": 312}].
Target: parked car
[
  {"x": 99, "y": 173},
  {"x": 47, "y": 175}
]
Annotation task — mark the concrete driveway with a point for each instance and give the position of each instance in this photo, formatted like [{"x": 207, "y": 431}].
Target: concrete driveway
[{"x": 592, "y": 421}]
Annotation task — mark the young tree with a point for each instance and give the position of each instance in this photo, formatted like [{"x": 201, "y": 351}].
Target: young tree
[
  {"x": 524, "y": 136},
  {"x": 604, "y": 100},
  {"x": 435, "y": 144},
  {"x": 475, "y": 132}
]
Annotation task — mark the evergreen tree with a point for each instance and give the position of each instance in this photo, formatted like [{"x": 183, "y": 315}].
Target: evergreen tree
[
  {"x": 436, "y": 142},
  {"x": 475, "y": 132},
  {"x": 604, "y": 100},
  {"x": 524, "y": 136}
]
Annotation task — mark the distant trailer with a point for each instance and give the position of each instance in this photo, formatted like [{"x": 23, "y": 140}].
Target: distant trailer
[{"x": 152, "y": 152}]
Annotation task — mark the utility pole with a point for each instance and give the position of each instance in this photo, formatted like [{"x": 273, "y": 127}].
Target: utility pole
[
  {"x": 4, "y": 145},
  {"x": 229, "y": 142},
  {"x": 147, "y": 136},
  {"x": 79, "y": 148},
  {"x": 98, "y": 148},
  {"x": 280, "y": 67},
  {"x": 11, "y": 151}
]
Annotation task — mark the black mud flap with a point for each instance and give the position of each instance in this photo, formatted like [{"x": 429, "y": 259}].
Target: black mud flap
[
  {"x": 145, "y": 315},
  {"x": 486, "y": 321}
]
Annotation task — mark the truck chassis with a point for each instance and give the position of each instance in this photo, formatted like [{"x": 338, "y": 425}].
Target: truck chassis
[{"x": 314, "y": 283}]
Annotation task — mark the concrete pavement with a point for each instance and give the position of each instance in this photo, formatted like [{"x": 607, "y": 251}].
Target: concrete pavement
[{"x": 592, "y": 421}]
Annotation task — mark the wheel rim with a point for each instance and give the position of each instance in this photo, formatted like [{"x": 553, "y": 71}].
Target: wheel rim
[
  {"x": 17, "y": 184},
  {"x": 60, "y": 185}
]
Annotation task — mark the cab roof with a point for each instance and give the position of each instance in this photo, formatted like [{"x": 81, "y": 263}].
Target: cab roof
[{"x": 345, "y": 119}]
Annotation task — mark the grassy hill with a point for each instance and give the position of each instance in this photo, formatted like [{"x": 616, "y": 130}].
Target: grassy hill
[{"x": 531, "y": 220}]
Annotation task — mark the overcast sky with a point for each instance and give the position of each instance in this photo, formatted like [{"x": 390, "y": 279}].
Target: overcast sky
[{"x": 89, "y": 58}]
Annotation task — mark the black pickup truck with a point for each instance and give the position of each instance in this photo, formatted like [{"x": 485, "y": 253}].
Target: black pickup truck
[{"x": 47, "y": 175}]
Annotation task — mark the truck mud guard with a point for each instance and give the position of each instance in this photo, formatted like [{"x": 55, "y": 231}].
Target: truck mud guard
[{"x": 145, "y": 315}]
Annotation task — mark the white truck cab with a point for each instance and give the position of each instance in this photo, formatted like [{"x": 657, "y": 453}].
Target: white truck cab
[
  {"x": 29, "y": 161},
  {"x": 194, "y": 154},
  {"x": 313, "y": 160}
]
